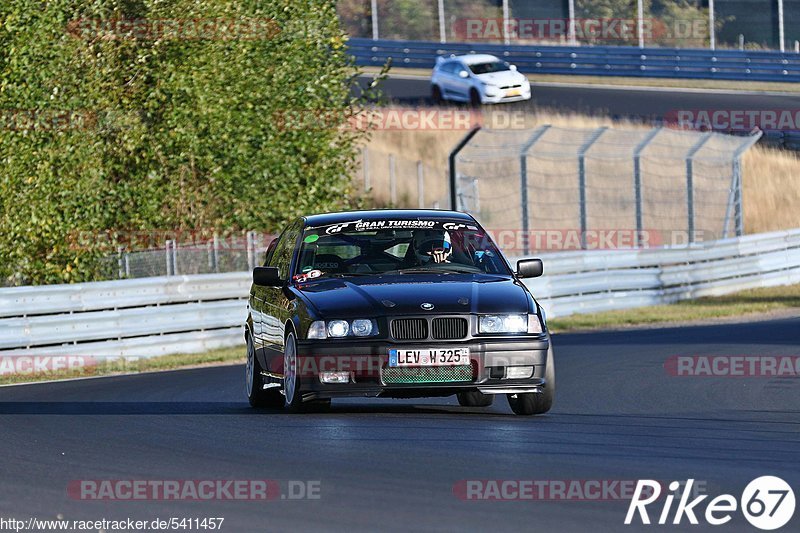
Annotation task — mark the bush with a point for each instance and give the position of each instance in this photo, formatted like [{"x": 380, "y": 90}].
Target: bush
[{"x": 121, "y": 116}]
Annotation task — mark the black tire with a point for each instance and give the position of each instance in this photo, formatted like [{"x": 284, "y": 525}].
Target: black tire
[
  {"x": 436, "y": 94},
  {"x": 293, "y": 398},
  {"x": 257, "y": 395},
  {"x": 537, "y": 403},
  {"x": 474, "y": 98},
  {"x": 474, "y": 399}
]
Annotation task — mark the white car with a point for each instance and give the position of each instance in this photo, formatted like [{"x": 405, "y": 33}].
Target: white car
[{"x": 478, "y": 79}]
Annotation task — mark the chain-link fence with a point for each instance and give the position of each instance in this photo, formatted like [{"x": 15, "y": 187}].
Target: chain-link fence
[
  {"x": 198, "y": 256},
  {"x": 747, "y": 24},
  {"x": 571, "y": 188}
]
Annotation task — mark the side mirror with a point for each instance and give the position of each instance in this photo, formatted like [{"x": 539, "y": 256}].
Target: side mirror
[
  {"x": 529, "y": 268},
  {"x": 463, "y": 74},
  {"x": 512, "y": 67},
  {"x": 267, "y": 277}
]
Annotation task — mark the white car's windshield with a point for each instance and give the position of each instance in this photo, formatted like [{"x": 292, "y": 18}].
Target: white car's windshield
[
  {"x": 398, "y": 246},
  {"x": 487, "y": 68}
]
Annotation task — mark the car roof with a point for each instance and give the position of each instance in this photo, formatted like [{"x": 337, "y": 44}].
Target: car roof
[
  {"x": 385, "y": 214},
  {"x": 472, "y": 59}
]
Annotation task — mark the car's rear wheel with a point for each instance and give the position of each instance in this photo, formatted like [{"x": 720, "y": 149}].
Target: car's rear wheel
[
  {"x": 257, "y": 395},
  {"x": 474, "y": 399},
  {"x": 436, "y": 94},
  {"x": 293, "y": 399},
  {"x": 474, "y": 98},
  {"x": 537, "y": 403}
]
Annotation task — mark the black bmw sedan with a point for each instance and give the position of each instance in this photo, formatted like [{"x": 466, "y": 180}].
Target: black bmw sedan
[{"x": 395, "y": 303}]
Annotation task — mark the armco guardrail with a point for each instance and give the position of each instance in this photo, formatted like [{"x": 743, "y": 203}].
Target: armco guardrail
[
  {"x": 595, "y": 281},
  {"x": 155, "y": 316},
  {"x": 593, "y": 60}
]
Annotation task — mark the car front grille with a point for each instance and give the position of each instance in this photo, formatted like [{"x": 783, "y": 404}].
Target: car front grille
[
  {"x": 449, "y": 328},
  {"x": 427, "y": 374},
  {"x": 511, "y": 86},
  {"x": 410, "y": 329}
]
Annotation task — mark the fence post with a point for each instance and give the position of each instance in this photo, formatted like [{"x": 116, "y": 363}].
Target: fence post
[
  {"x": 738, "y": 217},
  {"x": 523, "y": 184},
  {"x": 250, "y": 252},
  {"x": 120, "y": 262},
  {"x": 392, "y": 182},
  {"x": 690, "y": 182},
  {"x": 451, "y": 160},
  {"x": 168, "y": 256},
  {"x": 374, "y": 14},
  {"x": 637, "y": 183},
  {"x": 215, "y": 252},
  {"x": 420, "y": 184},
  {"x": 582, "y": 178},
  {"x": 365, "y": 167}
]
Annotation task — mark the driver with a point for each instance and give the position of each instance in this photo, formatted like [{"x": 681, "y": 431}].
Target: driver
[{"x": 432, "y": 246}]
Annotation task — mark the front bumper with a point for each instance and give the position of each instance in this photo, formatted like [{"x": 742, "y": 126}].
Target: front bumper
[
  {"x": 366, "y": 361},
  {"x": 503, "y": 96}
]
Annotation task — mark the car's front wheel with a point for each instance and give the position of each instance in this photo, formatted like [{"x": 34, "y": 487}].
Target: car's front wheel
[
  {"x": 293, "y": 399},
  {"x": 537, "y": 403},
  {"x": 257, "y": 395},
  {"x": 474, "y": 98},
  {"x": 436, "y": 94},
  {"x": 474, "y": 399}
]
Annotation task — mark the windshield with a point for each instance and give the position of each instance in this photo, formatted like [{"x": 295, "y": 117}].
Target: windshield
[
  {"x": 492, "y": 66},
  {"x": 397, "y": 247}
]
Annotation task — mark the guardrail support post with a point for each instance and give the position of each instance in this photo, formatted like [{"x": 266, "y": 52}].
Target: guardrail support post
[
  {"x": 582, "y": 178},
  {"x": 523, "y": 184},
  {"x": 690, "y": 183},
  {"x": 452, "y": 166},
  {"x": 637, "y": 183}
]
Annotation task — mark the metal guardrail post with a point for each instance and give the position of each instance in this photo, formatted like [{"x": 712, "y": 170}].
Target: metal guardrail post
[
  {"x": 637, "y": 182},
  {"x": 452, "y": 166},
  {"x": 523, "y": 184},
  {"x": 582, "y": 178},
  {"x": 690, "y": 182}
]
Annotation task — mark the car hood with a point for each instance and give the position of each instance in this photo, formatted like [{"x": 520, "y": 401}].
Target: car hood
[
  {"x": 404, "y": 294},
  {"x": 506, "y": 77}
]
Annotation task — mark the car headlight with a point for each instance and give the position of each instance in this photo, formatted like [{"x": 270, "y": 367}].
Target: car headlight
[
  {"x": 503, "y": 324},
  {"x": 360, "y": 327},
  {"x": 338, "y": 328}
]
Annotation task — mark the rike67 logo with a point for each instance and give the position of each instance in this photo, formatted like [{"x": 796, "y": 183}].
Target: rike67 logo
[{"x": 767, "y": 503}]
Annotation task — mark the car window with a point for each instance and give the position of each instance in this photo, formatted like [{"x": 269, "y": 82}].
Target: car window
[
  {"x": 450, "y": 67},
  {"x": 488, "y": 67},
  {"x": 282, "y": 255},
  {"x": 395, "y": 246}
]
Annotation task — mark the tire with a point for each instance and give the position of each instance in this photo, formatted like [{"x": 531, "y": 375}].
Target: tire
[
  {"x": 474, "y": 399},
  {"x": 436, "y": 94},
  {"x": 537, "y": 403},
  {"x": 257, "y": 395},
  {"x": 293, "y": 399},
  {"x": 474, "y": 98}
]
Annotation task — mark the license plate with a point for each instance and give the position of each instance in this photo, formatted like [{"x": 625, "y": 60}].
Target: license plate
[
  {"x": 432, "y": 357},
  {"x": 513, "y": 92}
]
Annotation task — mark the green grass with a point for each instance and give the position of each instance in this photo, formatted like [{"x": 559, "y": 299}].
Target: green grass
[
  {"x": 135, "y": 366},
  {"x": 750, "y": 302}
]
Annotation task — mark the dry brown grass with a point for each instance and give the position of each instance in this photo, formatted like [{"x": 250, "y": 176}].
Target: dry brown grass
[{"x": 771, "y": 191}]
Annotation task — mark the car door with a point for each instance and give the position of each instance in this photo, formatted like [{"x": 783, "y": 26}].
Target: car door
[
  {"x": 278, "y": 307},
  {"x": 449, "y": 79},
  {"x": 257, "y": 296}
]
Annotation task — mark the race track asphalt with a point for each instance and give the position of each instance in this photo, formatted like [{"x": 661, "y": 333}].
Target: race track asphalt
[
  {"x": 393, "y": 464},
  {"x": 643, "y": 102}
]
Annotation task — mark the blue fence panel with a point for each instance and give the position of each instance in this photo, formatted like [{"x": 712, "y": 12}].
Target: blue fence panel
[{"x": 594, "y": 60}]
